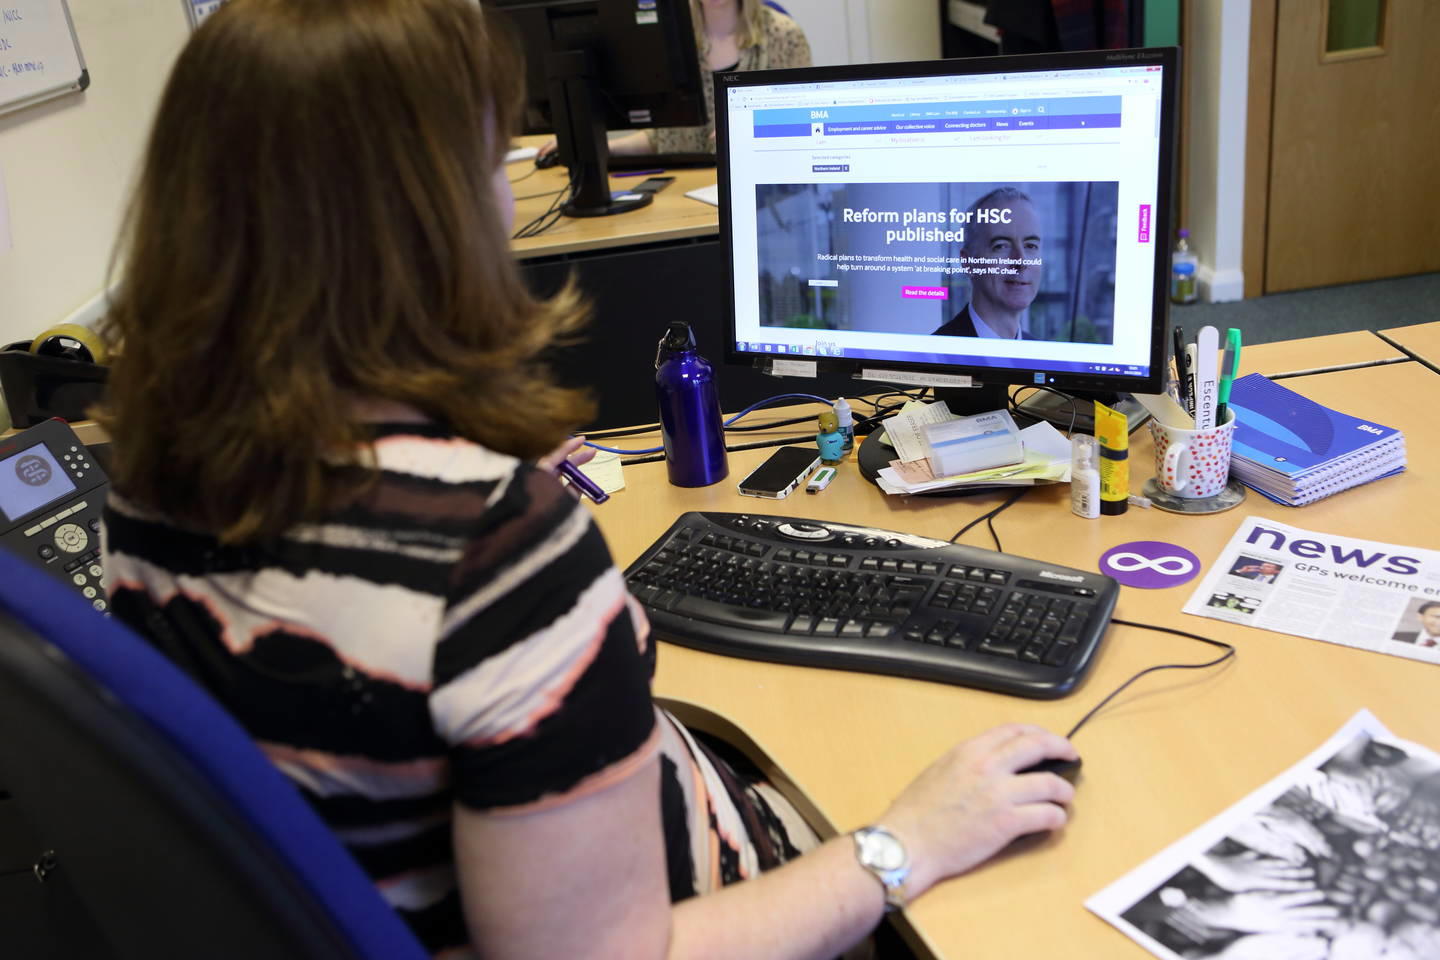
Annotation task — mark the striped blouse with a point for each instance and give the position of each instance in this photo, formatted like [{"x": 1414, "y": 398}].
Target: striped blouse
[{"x": 457, "y": 634}]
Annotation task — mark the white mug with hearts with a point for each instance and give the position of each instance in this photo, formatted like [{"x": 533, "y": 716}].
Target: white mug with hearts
[{"x": 1193, "y": 464}]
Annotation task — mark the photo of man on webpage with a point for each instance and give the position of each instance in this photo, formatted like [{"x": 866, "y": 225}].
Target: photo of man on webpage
[{"x": 1014, "y": 261}]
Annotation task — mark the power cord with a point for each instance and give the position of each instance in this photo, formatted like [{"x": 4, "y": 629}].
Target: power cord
[
  {"x": 551, "y": 215},
  {"x": 1228, "y": 654},
  {"x": 1074, "y": 401},
  {"x": 989, "y": 518}
]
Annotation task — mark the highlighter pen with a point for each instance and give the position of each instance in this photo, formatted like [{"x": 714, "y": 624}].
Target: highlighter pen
[
  {"x": 1229, "y": 367},
  {"x": 582, "y": 483},
  {"x": 1112, "y": 431}
]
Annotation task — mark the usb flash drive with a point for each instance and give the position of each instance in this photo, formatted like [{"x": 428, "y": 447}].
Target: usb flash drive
[{"x": 820, "y": 480}]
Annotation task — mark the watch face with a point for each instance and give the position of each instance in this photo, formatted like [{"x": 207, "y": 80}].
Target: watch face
[{"x": 883, "y": 851}]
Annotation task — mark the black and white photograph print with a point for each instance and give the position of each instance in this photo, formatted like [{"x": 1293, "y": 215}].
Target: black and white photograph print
[
  {"x": 1343, "y": 864},
  {"x": 1253, "y": 568}
]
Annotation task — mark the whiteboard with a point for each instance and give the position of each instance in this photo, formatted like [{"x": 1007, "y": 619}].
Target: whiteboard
[
  {"x": 197, "y": 10},
  {"x": 39, "y": 54}
]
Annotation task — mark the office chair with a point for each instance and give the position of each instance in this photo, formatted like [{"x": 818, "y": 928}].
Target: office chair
[
  {"x": 175, "y": 832},
  {"x": 777, "y": 7}
]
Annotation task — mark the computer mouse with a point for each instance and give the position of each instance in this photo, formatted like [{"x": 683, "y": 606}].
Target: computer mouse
[
  {"x": 544, "y": 161},
  {"x": 1069, "y": 769}
]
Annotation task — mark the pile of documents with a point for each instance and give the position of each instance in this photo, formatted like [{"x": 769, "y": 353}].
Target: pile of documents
[
  {"x": 1041, "y": 454},
  {"x": 1296, "y": 451}
]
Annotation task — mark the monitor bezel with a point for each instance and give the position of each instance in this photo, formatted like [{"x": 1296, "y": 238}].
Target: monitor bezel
[{"x": 1161, "y": 221}]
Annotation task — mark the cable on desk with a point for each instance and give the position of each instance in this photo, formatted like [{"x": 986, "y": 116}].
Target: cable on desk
[
  {"x": 551, "y": 215},
  {"x": 533, "y": 170},
  {"x": 1228, "y": 654},
  {"x": 990, "y": 517},
  {"x": 1074, "y": 401},
  {"x": 727, "y": 424}
]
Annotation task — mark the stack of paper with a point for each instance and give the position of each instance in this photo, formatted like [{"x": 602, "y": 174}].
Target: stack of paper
[
  {"x": 1296, "y": 451},
  {"x": 1047, "y": 456}
]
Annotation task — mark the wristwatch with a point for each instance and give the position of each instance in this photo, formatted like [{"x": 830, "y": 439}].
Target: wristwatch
[{"x": 882, "y": 853}]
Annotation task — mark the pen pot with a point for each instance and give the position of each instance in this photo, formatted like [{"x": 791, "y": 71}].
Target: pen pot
[{"x": 1193, "y": 464}]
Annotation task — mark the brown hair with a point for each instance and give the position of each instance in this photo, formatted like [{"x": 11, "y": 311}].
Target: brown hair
[{"x": 316, "y": 224}]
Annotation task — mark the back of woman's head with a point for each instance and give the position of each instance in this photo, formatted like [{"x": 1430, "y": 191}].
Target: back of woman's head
[{"x": 315, "y": 224}]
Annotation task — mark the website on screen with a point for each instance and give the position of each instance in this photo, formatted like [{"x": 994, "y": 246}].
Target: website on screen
[{"x": 991, "y": 220}]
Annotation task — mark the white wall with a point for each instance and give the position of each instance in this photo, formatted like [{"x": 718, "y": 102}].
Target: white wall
[
  {"x": 868, "y": 31},
  {"x": 68, "y": 164},
  {"x": 1218, "y": 48}
]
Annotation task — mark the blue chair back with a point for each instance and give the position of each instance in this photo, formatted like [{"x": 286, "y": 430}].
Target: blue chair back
[
  {"x": 775, "y": 6},
  {"x": 178, "y": 835}
]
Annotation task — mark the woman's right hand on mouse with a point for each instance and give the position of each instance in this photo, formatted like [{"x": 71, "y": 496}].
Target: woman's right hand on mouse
[
  {"x": 545, "y": 149},
  {"x": 971, "y": 802}
]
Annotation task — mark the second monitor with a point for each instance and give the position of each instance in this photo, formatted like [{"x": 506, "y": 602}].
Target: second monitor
[{"x": 598, "y": 65}]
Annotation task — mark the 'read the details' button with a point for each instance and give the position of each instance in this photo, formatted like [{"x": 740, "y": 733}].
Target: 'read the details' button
[
  {"x": 830, "y": 168},
  {"x": 925, "y": 293}
]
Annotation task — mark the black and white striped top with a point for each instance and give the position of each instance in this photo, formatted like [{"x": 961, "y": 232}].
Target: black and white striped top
[{"x": 458, "y": 634}]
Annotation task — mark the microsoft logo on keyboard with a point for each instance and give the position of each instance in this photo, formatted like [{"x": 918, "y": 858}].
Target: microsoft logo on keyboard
[{"x": 1050, "y": 575}]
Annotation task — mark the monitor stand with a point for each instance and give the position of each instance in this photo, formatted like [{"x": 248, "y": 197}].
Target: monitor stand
[
  {"x": 581, "y": 139},
  {"x": 874, "y": 453}
]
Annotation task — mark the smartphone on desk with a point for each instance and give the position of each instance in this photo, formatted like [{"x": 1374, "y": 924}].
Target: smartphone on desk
[
  {"x": 652, "y": 185},
  {"x": 785, "y": 470}
]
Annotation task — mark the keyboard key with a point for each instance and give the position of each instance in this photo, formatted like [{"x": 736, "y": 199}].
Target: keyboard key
[
  {"x": 700, "y": 609},
  {"x": 930, "y": 568},
  {"x": 1059, "y": 655},
  {"x": 853, "y": 628},
  {"x": 1001, "y": 648},
  {"x": 803, "y": 623},
  {"x": 879, "y": 628},
  {"x": 827, "y": 627}
]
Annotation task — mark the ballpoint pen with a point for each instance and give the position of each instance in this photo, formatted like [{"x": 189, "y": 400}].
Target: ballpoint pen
[
  {"x": 1182, "y": 373},
  {"x": 1228, "y": 368},
  {"x": 582, "y": 483}
]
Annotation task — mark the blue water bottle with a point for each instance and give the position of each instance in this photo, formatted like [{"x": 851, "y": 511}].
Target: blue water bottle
[{"x": 690, "y": 423}]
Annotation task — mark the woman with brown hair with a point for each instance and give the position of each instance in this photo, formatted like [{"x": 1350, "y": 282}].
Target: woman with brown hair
[{"x": 322, "y": 508}]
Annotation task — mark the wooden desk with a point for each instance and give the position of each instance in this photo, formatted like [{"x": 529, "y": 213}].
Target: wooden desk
[
  {"x": 1421, "y": 341},
  {"x": 1290, "y": 357},
  {"x": 1159, "y": 761},
  {"x": 672, "y": 215}
]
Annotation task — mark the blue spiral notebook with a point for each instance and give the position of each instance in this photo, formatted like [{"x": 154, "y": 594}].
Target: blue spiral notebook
[{"x": 1294, "y": 450}]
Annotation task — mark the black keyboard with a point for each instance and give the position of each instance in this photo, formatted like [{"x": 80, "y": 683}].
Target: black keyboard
[
  {"x": 660, "y": 161},
  {"x": 857, "y": 598}
]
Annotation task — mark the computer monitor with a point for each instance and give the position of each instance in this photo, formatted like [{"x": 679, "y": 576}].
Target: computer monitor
[
  {"x": 990, "y": 222},
  {"x": 598, "y": 65}
]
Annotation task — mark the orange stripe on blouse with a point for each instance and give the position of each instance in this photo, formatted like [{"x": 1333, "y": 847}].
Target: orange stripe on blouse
[{"x": 617, "y": 772}]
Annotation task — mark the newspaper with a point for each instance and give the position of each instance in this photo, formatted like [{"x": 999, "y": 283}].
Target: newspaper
[
  {"x": 1338, "y": 858},
  {"x": 1359, "y": 593}
]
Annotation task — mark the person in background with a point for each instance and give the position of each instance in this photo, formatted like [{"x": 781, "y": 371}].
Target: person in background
[
  {"x": 325, "y": 508},
  {"x": 730, "y": 35}
]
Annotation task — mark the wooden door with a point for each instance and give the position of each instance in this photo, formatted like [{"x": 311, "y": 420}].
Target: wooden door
[{"x": 1354, "y": 166}]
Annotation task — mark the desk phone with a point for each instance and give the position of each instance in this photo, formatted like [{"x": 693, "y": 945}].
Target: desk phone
[{"x": 51, "y": 495}]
